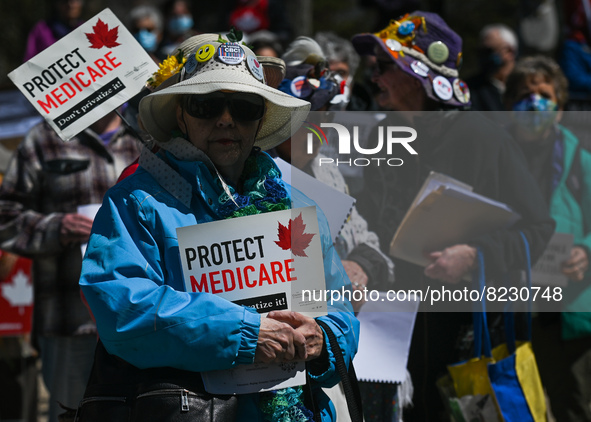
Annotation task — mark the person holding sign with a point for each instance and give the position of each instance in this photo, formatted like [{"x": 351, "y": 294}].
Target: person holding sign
[
  {"x": 536, "y": 94},
  {"x": 212, "y": 115},
  {"x": 46, "y": 182}
]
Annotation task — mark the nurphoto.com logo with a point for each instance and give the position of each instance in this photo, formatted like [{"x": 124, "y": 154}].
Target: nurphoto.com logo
[{"x": 363, "y": 155}]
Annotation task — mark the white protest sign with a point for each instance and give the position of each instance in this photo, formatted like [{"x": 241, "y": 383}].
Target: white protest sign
[
  {"x": 85, "y": 75},
  {"x": 262, "y": 261},
  {"x": 547, "y": 271}
]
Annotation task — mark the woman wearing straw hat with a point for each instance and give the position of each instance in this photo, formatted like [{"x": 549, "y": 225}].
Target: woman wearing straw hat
[{"x": 211, "y": 119}]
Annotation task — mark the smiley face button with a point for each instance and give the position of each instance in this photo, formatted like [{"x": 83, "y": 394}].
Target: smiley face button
[{"x": 204, "y": 53}]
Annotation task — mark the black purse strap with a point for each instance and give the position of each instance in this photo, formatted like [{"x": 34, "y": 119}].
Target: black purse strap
[{"x": 348, "y": 377}]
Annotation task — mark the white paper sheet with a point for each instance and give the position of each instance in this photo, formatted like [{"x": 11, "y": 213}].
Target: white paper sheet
[
  {"x": 547, "y": 271},
  {"x": 384, "y": 340},
  {"x": 89, "y": 211}
]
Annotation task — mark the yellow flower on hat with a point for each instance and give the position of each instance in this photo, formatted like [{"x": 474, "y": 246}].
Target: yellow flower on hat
[
  {"x": 169, "y": 67},
  {"x": 405, "y": 38}
]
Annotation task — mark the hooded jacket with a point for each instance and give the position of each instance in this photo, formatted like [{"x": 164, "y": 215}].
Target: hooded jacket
[
  {"x": 132, "y": 279},
  {"x": 570, "y": 207}
]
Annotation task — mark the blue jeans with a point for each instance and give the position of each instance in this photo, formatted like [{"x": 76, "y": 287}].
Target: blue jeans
[{"x": 66, "y": 364}]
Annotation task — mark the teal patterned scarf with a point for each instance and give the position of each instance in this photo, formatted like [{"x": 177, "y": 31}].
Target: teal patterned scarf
[{"x": 264, "y": 191}]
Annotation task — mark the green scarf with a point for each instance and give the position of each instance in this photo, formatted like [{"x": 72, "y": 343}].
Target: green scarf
[{"x": 264, "y": 191}]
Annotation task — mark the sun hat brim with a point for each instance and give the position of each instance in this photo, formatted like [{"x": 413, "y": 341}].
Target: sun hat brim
[
  {"x": 274, "y": 70},
  {"x": 158, "y": 110},
  {"x": 365, "y": 45}
]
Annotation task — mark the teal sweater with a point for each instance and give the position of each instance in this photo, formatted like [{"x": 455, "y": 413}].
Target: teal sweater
[{"x": 575, "y": 218}]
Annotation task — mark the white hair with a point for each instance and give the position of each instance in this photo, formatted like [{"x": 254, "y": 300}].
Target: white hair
[
  {"x": 506, "y": 33},
  {"x": 146, "y": 11},
  {"x": 338, "y": 49},
  {"x": 300, "y": 49}
]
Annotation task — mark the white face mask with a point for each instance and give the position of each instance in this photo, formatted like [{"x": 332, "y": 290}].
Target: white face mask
[{"x": 339, "y": 102}]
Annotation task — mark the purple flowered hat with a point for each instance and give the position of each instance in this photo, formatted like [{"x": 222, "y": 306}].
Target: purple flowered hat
[{"x": 425, "y": 47}]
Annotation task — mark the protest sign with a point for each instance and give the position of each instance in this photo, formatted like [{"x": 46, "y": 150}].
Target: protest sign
[
  {"x": 262, "y": 261},
  {"x": 85, "y": 75},
  {"x": 16, "y": 299},
  {"x": 336, "y": 205}
]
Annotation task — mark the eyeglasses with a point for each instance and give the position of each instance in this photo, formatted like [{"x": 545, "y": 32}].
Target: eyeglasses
[{"x": 243, "y": 107}]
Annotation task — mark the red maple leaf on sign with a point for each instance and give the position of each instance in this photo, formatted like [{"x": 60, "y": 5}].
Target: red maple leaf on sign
[
  {"x": 293, "y": 236},
  {"x": 103, "y": 36}
]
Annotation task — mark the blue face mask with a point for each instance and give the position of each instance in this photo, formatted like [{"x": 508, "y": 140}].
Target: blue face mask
[
  {"x": 147, "y": 39},
  {"x": 540, "y": 113},
  {"x": 180, "y": 24}
]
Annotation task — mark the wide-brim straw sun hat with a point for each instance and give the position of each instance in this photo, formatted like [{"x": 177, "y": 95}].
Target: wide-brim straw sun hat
[{"x": 215, "y": 66}]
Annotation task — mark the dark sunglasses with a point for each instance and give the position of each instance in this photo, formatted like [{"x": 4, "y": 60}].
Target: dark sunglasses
[{"x": 243, "y": 107}]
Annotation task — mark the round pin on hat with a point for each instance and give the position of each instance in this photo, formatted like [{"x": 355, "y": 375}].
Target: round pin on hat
[
  {"x": 442, "y": 88},
  {"x": 437, "y": 52},
  {"x": 393, "y": 45},
  {"x": 231, "y": 53},
  {"x": 420, "y": 68},
  {"x": 461, "y": 91},
  {"x": 205, "y": 53},
  {"x": 190, "y": 65},
  {"x": 255, "y": 68},
  {"x": 300, "y": 87},
  {"x": 406, "y": 28}
]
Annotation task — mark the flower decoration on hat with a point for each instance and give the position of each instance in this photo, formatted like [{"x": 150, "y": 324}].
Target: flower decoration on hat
[
  {"x": 174, "y": 64},
  {"x": 424, "y": 47},
  {"x": 424, "y": 39},
  {"x": 233, "y": 35},
  {"x": 169, "y": 67},
  {"x": 401, "y": 33}
]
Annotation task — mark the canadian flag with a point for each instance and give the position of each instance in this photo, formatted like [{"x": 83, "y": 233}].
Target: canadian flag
[{"x": 16, "y": 299}]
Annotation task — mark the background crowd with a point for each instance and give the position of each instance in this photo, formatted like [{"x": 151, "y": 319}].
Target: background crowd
[{"x": 516, "y": 55}]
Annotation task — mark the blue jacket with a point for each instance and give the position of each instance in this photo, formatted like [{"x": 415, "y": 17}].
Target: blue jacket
[
  {"x": 575, "y": 61},
  {"x": 133, "y": 282}
]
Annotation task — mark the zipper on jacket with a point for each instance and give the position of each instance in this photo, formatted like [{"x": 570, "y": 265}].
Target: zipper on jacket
[{"x": 184, "y": 401}]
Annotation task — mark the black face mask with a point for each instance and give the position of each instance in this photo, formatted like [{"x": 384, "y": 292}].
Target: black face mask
[{"x": 490, "y": 61}]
